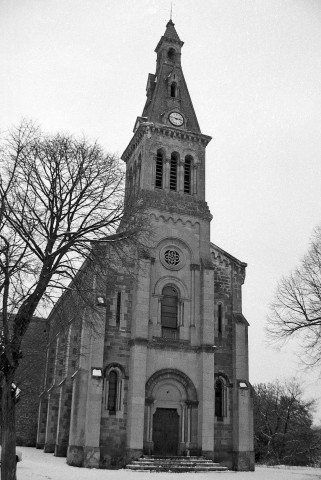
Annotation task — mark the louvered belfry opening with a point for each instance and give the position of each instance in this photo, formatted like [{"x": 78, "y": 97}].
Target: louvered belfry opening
[
  {"x": 187, "y": 174},
  {"x": 173, "y": 172},
  {"x": 159, "y": 170}
]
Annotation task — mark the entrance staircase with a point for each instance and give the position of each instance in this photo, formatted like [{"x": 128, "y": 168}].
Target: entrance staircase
[{"x": 175, "y": 464}]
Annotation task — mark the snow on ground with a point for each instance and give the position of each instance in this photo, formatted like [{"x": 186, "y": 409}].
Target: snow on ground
[{"x": 37, "y": 465}]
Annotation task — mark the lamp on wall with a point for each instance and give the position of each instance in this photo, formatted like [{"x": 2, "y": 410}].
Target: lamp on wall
[
  {"x": 100, "y": 301},
  {"x": 96, "y": 372},
  {"x": 243, "y": 384}
]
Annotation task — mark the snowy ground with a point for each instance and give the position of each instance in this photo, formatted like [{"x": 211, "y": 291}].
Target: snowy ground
[{"x": 37, "y": 465}]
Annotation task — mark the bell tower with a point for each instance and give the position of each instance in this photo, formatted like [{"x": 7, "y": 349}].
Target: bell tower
[
  {"x": 166, "y": 155},
  {"x": 172, "y": 327}
]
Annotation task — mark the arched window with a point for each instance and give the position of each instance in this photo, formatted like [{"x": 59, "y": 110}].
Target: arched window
[
  {"x": 159, "y": 170},
  {"x": 171, "y": 54},
  {"x": 169, "y": 312},
  {"x": 112, "y": 392},
  {"x": 173, "y": 172},
  {"x": 220, "y": 399},
  {"x": 187, "y": 174},
  {"x": 139, "y": 167},
  {"x": 113, "y": 389},
  {"x": 134, "y": 178},
  {"x": 173, "y": 89},
  {"x": 220, "y": 318}
]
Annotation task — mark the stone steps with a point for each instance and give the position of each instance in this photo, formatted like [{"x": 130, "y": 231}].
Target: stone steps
[{"x": 175, "y": 464}]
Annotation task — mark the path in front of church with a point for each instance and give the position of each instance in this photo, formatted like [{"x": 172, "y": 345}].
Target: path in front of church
[{"x": 36, "y": 465}]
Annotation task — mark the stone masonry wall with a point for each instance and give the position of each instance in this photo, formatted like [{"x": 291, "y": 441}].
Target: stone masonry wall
[
  {"x": 30, "y": 378},
  {"x": 223, "y": 436},
  {"x": 117, "y": 335}
]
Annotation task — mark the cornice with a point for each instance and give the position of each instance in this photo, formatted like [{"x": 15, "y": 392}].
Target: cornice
[
  {"x": 221, "y": 256},
  {"x": 160, "y": 343},
  {"x": 174, "y": 203},
  {"x": 168, "y": 39},
  {"x": 164, "y": 130}
]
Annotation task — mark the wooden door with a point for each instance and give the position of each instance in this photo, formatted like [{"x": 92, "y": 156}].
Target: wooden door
[{"x": 166, "y": 431}]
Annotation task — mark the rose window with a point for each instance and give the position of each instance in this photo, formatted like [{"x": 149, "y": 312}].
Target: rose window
[{"x": 171, "y": 257}]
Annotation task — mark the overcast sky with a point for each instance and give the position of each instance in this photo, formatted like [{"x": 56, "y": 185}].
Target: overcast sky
[{"x": 253, "y": 71}]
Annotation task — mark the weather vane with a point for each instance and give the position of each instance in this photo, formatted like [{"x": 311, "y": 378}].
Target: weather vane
[{"x": 171, "y": 10}]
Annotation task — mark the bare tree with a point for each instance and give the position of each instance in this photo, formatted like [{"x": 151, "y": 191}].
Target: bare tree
[
  {"x": 296, "y": 310},
  {"x": 283, "y": 425},
  {"x": 58, "y": 196}
]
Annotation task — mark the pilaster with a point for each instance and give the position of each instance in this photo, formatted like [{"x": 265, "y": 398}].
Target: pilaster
[
  {"x": 42, "y": 420},
  {"x": 206, "y": 402},
  {"x": 243, "y": 437},
  {"x": 51, "y": 425},
  {"x": 83, "y": 449},
  {"x": 63, "y": 423},
  {"x": 136, "y": 395}
]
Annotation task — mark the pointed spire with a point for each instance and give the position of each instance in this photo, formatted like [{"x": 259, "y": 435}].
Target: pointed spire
[
  {"x": 171, "y": 32},
  {"x": 170, "y": 36}
]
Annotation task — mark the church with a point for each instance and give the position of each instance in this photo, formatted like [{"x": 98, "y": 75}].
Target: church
[{"x": 167, "y": 373}]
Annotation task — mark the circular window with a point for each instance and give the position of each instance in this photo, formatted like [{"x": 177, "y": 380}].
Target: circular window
[{"x": 171, "y": 257}]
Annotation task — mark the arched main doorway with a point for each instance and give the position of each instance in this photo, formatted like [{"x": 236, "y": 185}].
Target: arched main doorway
[
  {"x": 165, "y": 431},
  {"x": 170, "y": 400}
]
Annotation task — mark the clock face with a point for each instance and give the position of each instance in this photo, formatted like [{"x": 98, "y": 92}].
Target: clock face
[{"x": 176, "y": 119}]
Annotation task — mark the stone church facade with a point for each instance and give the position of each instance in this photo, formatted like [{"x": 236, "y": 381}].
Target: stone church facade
[{"x": 166, "y": 372}]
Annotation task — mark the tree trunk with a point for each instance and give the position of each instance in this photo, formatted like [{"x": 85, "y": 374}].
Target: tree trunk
[{"x": 8, "y": 431}]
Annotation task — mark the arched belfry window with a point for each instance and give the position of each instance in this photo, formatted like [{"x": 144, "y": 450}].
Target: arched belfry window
[
  {"x": 169, "y": 312},
  {"x": 187, "y": 174},
  {"x": 173, "y": 89},
  {"x": 159, "y": 170},
  {"x": 220, "y": 399},
  {"x": 113, "y": 389},
  {"x": 171, "y": 55},
  {"x": 173, "y": 172}
]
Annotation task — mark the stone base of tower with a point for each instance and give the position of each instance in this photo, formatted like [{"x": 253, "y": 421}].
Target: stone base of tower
[
  {"x": 118, "y": 458},
  {"x": 243, "y": 461},
  {"x": 208, "y": 454}
]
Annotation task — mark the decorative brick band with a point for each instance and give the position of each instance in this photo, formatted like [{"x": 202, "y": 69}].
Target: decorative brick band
[
  {"x": 166, "y": 130},
  {"x": 138, "y": 341},
  {"x": 173, "y": 202},
  {"x": 207, "y": 348}
]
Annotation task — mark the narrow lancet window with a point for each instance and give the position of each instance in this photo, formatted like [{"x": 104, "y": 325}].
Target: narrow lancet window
[
  {"x": 220, "y": 318},
  {"x": 112, "y": 391},
  {"x": 187, "y": 174},
  {"x": 173, "y": 172},
  {"x": 118, "y": 305},
  {"x": 219, "y": 398},
  {"x": 173, "y": 90},
  {"x": 159, "y": 170}
]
